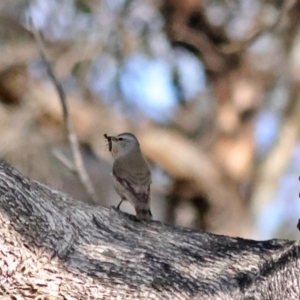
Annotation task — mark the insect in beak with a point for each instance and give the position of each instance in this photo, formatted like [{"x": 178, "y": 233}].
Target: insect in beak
[{"x": 109, "y": 138}]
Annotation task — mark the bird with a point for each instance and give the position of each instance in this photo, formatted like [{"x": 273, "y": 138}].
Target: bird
[{"x": 131, "y": 173}]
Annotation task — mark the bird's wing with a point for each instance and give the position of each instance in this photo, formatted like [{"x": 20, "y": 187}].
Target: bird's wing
[{"x": 138, "y": 183}]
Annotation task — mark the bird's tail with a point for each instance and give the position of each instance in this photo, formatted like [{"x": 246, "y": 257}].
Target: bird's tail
[{"x": 143, "y": 214}]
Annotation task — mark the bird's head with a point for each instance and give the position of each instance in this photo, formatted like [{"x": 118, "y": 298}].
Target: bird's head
[{"x": 122, "y": 143}]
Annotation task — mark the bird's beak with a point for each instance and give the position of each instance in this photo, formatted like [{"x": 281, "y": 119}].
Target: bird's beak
[{"x": 110, "y": 137}]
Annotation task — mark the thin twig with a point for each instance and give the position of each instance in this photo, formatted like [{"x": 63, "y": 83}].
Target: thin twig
[
  {"x": 64, "y": 160},
  {"x": 74, "y": 144}
]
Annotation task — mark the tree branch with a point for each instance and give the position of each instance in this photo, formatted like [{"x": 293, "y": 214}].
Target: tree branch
[
  {"x": 54, "y": 246},
  {"x": 73, "y": 141},
  {"x": 243, "y": 45}
]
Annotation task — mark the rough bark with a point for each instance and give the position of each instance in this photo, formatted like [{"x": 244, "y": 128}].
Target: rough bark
[{"x": 54, "y": 247}]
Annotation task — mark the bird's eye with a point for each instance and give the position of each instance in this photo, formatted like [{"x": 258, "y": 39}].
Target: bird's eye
[{"x": 120, "y": 139}]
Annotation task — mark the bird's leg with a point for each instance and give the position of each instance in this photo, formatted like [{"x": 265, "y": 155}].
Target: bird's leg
[{"x": 118, "y": 206}]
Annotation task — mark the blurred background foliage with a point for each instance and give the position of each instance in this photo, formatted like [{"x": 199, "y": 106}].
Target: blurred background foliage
[{"x": 211, "y": 89}]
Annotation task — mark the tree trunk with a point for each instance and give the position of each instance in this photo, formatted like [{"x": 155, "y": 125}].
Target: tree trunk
[{"x": 54, "y": 247}]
